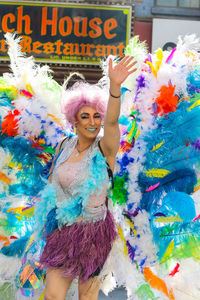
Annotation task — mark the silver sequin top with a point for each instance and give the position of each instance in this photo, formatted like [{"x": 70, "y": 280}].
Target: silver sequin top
[{"x": 89, "y": 213}]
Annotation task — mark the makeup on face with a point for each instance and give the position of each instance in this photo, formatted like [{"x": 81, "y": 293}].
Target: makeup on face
[
  {"x": 86, "y": 116},
  {"x": 89, "y": 120}
]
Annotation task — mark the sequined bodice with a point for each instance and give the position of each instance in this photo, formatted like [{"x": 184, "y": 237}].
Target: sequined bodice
[
  {"x": 69, "y": 146},
  {"x": 67, "y": 172},
  {"x": 94, "y": 208}
]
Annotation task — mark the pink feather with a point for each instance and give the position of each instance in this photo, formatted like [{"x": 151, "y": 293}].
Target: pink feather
[{"x": 153, "y": 187}]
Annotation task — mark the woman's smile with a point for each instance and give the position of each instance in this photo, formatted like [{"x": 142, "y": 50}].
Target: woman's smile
[
  {"x": 88, "y": 122},
  {"x": 91, "y": 129}
]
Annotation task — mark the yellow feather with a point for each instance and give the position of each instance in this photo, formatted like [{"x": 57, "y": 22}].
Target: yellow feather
[
  {"x": 28, "y": 86},
  {"x": 32, "y": 238},
  {"x": 154, "y": 72},
  {"x": 190, "y": 54},
  {"x": 28, "y": 213},
  {"x": 157, "y": 173},
  {"x": 131, "y": 224},
  {"x": 176, "y": 218},
  {"x": 123, "y": 239},
  {"x": 55, "y": 119},
  {"x": 157, "y": 146},
  {"x": 15, "y": 165},
  {"x": 168, "y": 252},
  {"x": 195, "y": 104},
  {"x": 11, "y": 88},
  {"x": 42, "y": 296},
  {"x": 29, "y": 89},
  {"x": 16, "y": 210},
  {"x": 159, "y": 56},
  {"x": 131, "y": 131},
  {"x": 137, "y": 134}
]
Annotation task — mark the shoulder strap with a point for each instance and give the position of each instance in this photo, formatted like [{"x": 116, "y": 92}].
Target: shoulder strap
[
  {"x": 62, "y": 143},
  {"x": 61, "y": 147},
  {"x": 109, "y": 170}
]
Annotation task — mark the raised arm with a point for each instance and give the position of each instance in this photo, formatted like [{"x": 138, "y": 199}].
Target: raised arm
[{"x": 111, "y": 138}]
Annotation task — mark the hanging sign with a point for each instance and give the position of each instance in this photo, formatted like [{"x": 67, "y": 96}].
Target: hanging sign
[{"x": 66, "y": 33}]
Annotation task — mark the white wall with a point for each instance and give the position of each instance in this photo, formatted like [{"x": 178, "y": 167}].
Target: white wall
[{"x": 166, "y": 31}]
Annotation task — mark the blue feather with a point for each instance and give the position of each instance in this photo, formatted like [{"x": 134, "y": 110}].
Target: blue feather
[
  {"x": 182, "y": 180},
  {"x": 16, "y": 248}
]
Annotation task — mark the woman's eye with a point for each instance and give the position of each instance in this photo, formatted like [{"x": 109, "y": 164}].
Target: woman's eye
[
  {"x": 84, "y": 117},
  {"x": 97, "y": 116}
]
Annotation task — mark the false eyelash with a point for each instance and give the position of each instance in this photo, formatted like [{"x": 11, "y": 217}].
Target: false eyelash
[{"x": 84, "y": 117}]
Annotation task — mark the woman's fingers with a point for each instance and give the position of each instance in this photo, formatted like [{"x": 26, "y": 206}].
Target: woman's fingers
[
  {"x": 129, "y": 67},
  {"x": 110, "y": 63},
  {"x": 127, "y": 60},
  {"x": 132, "y": 71},
  {"x": 123, "y": 69}
]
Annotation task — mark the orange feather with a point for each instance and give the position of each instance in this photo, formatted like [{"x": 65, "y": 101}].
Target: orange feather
[
  {"x": 5, "y": 178},
  {"x": 4, "y": 239},
  {"x": 157, "y": 283},
  {"x": 9, "y": 126}
]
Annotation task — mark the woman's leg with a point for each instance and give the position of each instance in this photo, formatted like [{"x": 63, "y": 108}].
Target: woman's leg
[
  {"x": 56, "y": 285},
  {"x": 89, "y": 290}
]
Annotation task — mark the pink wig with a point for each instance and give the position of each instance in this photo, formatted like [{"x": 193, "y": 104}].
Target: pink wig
[{"x": 83, "y": 94}]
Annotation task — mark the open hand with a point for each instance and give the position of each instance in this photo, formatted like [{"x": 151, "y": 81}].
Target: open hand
[{"x": 122, "y": 70}]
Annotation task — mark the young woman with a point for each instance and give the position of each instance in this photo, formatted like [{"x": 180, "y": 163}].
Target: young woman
[{"x": 79, "y": 246}]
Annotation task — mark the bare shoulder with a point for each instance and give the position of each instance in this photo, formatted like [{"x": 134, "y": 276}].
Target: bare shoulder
[{"x": 111, "y": 162}]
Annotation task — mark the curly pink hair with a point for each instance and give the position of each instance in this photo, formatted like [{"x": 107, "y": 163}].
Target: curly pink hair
[{"x": 83, "y": 94}]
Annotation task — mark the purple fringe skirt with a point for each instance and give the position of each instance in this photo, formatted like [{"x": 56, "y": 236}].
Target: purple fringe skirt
[{"x": 80, "y": 249}]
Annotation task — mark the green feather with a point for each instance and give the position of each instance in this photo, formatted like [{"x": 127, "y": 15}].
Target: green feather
[
  {"x": 144, "y": 293},
  {"x": 119, "y": 192}
]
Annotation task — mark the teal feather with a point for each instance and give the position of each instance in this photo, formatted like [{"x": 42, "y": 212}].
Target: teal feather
[{"x": 178, "y": 130}]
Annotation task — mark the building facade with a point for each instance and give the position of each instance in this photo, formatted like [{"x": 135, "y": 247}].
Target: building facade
[
  {"x": 160, "y": 22},
  {"x": 70, "y": 36}
]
